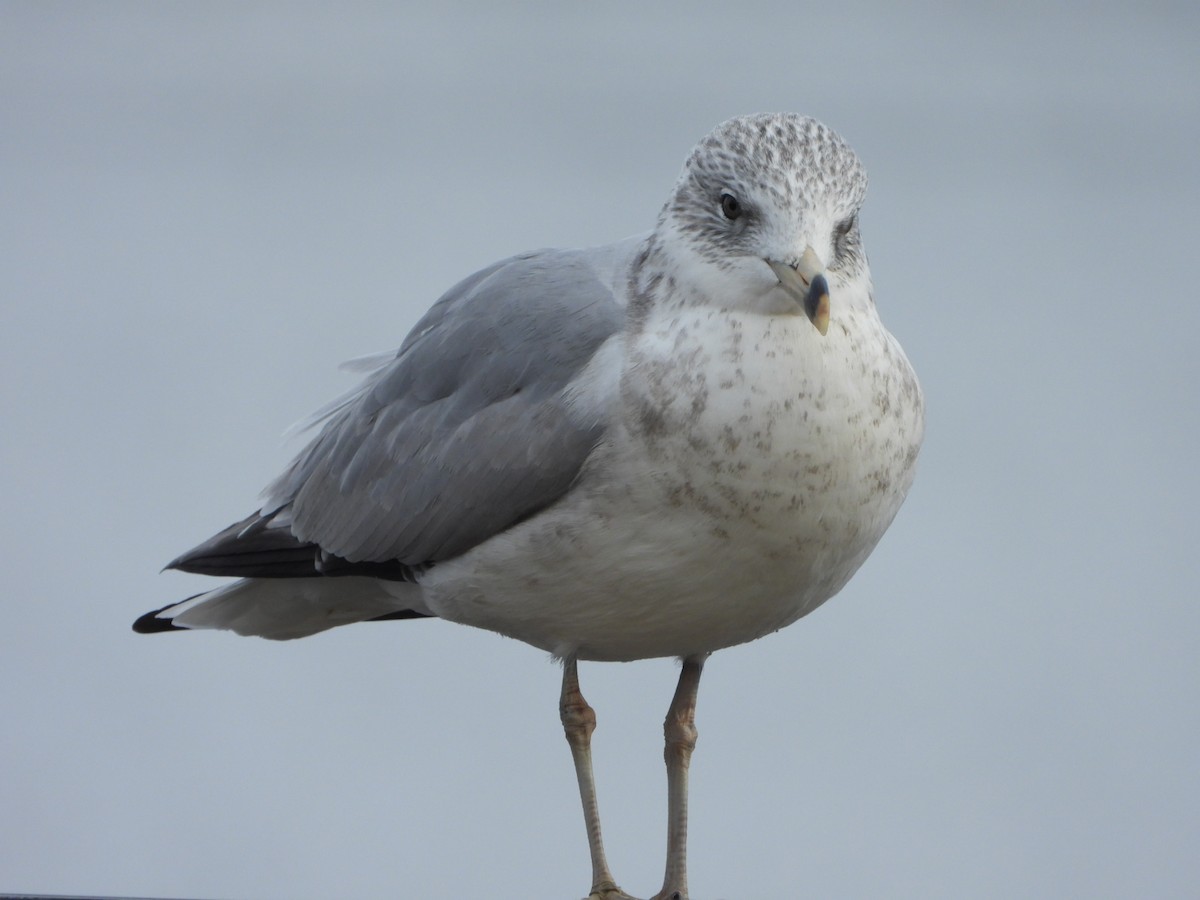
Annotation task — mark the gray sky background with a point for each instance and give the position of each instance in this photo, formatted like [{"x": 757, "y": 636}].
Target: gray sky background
[{"x": 204, "y": 208}]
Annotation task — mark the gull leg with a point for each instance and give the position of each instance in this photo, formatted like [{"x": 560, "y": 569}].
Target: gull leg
[
  {"x": 680, "y": 731},
  {"x": 579, "y": 721}
]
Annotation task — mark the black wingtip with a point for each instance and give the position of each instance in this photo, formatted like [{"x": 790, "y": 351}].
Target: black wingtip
[
  {"x": 402, "y": 614},
  {"x": 151, "y": 624}
]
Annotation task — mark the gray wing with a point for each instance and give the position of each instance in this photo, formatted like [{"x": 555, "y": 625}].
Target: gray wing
[{"x": 468, "y": 430}]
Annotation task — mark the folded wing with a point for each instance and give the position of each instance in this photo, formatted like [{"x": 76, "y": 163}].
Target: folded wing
[{"x": 471, "y": 427}]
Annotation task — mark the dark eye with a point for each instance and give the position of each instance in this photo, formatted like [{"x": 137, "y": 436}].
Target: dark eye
[
  {"x": 844, "y": 227},
  {"x": 730, "y": 206}
]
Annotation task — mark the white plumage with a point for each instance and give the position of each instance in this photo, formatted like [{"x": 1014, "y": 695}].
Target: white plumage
[{"x": 662, "y": 447}]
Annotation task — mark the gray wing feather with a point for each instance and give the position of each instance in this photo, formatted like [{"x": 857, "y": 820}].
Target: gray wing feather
[{"x": 468, "y": 429}]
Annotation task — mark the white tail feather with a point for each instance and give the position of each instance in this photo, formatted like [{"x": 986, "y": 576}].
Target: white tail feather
[{"x": 286, "y": 608}]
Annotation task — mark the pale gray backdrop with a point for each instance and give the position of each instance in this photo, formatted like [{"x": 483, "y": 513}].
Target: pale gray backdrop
[{"x": 204, "y": 208}]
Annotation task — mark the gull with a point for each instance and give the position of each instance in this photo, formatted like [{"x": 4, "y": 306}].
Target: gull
[{"x": 662, "y": 447}]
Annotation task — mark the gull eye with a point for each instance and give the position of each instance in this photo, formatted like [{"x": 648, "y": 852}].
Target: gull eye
[
  {"x": 841, "y": 232},
  {"x": 730, "y": 207}
]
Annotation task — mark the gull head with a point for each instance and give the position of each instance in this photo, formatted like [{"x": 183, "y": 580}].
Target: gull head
[{"x": 764, "y": 218}]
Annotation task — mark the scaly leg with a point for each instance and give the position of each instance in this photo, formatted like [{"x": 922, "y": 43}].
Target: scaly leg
[
  {"x": 680, "y": 731},
  {"x": 579, "y": 721}
]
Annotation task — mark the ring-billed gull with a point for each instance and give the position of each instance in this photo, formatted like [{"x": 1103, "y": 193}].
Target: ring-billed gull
[{"x": 662, "y": 447}]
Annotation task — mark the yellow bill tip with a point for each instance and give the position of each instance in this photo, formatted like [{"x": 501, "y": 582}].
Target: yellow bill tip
[{"x": 820, "y": 315}]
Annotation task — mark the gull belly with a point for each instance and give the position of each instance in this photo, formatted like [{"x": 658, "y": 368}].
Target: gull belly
[{"x": 750, "y": 468}]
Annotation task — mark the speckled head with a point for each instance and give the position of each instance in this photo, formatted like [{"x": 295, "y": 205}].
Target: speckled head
[
  {"x": 795, "y": 159},
  {"x": 759, "y": 191}
]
